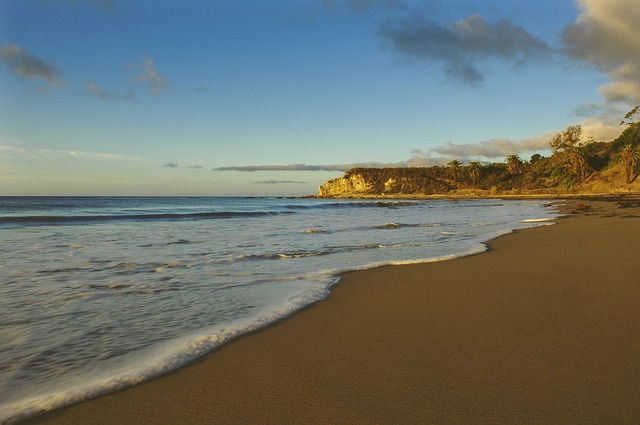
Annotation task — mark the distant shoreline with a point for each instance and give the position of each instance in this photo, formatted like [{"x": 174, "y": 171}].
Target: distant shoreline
[{"x": 552, "y": 197}]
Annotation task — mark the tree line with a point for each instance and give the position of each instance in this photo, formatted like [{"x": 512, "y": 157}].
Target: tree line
[{"x": 573, "y": 161}]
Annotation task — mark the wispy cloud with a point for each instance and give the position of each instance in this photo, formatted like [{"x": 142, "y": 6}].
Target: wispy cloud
[
  {"x": 9, "y": 151},
  {"x": 28, "y": 66},
  {"x": 305, "y": 167},
  {"x": 148, "y": 75},
  {"x": 93, "y": 89},
  {"x": 463, "y": 46},
  {"x": 176, "y": 165},
  {"x": 145, "y": 73},
  {"x": 100, "y": 156},
  {"x": 279, "y": 182}
]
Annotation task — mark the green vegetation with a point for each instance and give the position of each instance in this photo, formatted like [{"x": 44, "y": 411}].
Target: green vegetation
[{"x": 575, "y": 166}]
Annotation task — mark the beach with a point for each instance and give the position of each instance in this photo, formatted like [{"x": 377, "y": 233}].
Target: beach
[{"x": 540, "y": 329}]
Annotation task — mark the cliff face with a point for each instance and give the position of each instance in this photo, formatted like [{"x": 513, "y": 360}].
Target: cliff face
[
  {"x": 384, "y": 181},
  {"x": 541, "y": 177},
  {"x": 350, "y": 184},
  {"x": 598, "y": 169}
]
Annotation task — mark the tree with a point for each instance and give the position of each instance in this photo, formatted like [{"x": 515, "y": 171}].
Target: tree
[
  {"x": 571, "y": 152},
  {"x": 535, "y": 158},
  {"x": 630, "y": 155},
  {"x": 630, "y": 152},
  {"x": 629, "y": 116},
  {"x": 455, "y": 170},
  {"x": 565, "y": 142},
  {"x": 514, "y": 164},
  {"x": 474, "y": 169}
]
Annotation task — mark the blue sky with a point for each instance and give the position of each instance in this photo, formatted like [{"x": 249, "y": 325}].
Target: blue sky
[{"x": 141, "y": 97}]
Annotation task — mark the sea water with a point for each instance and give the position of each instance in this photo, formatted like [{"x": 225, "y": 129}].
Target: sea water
[{"x": 98, "y": 293}]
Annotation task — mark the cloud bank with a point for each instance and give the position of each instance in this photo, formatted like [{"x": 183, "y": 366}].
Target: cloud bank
[
  {"x": 27, "y": 66},
  {"x": 605, "y": 35},
  {"x": 491, "y": 150}
]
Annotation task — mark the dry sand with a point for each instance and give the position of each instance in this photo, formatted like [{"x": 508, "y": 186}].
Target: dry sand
[{"x": 544, "y": 328}]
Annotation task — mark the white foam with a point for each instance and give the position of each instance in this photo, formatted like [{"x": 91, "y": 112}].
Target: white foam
[
  {"x": 163, "y": 358},
  {"x": 536, "y": 220}
]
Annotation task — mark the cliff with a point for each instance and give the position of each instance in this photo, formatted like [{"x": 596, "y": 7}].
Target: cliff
[
  {"x": 573, "y": 168},
  {"x": 359, "y": 182},
  {"x": 539, "y": 178}
]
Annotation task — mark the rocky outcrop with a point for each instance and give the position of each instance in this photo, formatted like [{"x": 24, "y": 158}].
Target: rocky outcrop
[
  {"x": 359, "y": 182},
  {"x": 351, "y": 184},
  {"x": 603, "y": 173}
]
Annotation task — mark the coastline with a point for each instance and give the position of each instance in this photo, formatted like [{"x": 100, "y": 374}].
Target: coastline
[{"x": 539, "y": 329}]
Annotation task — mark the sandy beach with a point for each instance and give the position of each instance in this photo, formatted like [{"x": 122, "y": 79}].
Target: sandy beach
[{"x": 541, "y": 329}]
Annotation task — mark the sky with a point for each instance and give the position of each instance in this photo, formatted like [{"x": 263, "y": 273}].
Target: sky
[{"x": 272, "y": 98}]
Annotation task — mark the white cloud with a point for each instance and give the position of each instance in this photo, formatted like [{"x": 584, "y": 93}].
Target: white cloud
[{"x": 605, "y": 34}]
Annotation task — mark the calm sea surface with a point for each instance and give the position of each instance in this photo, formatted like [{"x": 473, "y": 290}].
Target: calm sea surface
[{"x": 97, "y": 293}]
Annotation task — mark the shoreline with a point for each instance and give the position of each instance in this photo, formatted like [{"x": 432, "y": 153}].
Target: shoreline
[{"x": 381, "y": 348}]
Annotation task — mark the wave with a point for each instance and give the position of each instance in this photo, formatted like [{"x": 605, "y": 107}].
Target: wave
[
  {"x": 43, "y": 219},
  {"x": 163, "y": 357},
  {"x": 347, "y": 205},
  {"x": 173, "y": 354},
  {"x": 402, "y": 225},
  {"x": 536, "y": 220},
  {"x": 328, "y": 251},
  {"x": 63, "y": 219}
]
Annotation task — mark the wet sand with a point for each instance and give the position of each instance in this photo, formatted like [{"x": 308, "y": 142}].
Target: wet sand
[{"x": 544, "y": 328}]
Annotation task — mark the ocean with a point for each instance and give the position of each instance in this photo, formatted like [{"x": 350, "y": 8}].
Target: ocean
[{"x": 100, "y": 293}]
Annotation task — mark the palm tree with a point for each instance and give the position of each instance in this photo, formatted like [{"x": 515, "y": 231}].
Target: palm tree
[
  {"x": 455, "y": 170},
  {"x": 474, "y": 169},
  {"x": 514, "y": 164},
  {"x": 580, "y": 161},
  {"x": 629, "y": 155}
]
